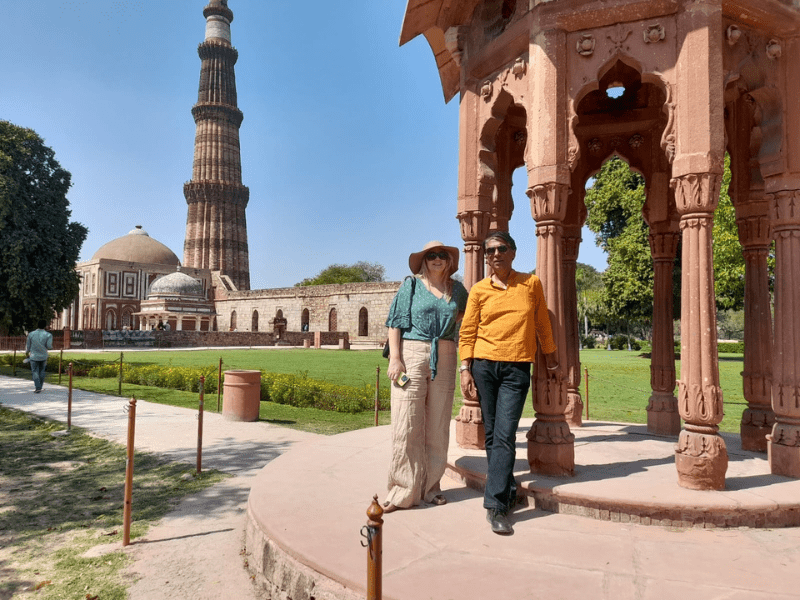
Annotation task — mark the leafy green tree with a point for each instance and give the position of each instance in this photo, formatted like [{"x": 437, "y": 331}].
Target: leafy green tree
[
  {"x": 615, "y": 216},
  {"x": 728, "y": 257},
  {"x": 589, "y": 286},
  {"x": 338, "y": 273},
  {"x": 39, "y": 245}
]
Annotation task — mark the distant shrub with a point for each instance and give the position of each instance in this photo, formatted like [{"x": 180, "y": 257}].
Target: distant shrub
[
  {"x": 292, "y": 389},
  {"x": 620, "y": 342},
  {"x": 731, "y": 347},
  {"x": 588, "y": 341}
]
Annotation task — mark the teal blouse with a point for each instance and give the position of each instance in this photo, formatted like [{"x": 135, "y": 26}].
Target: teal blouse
[{"x": 425, "y": 317}]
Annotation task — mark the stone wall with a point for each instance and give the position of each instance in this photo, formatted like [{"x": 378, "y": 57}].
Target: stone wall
[
  {"x": 348, "y": 300},
  {"x": 192, "y": 339}
]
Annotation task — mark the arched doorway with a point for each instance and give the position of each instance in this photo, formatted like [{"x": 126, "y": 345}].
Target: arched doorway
[
  {"x": 332, "y": 321},
  {"x": 304, "y": 320},
  {"x": 363, "y": 321},
  {"x": 254, "y": 326},
  {"x": 233, "y": 321}
]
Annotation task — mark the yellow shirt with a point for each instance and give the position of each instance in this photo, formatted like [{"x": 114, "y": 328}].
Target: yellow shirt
[{"x": 503, "y": 325}]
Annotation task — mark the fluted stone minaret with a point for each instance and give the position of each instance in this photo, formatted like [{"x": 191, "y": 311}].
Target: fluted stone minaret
[{"x": 216, "y": 227}]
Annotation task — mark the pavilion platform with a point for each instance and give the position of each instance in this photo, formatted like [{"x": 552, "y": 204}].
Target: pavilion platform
[{"x": 621, "y": 528}]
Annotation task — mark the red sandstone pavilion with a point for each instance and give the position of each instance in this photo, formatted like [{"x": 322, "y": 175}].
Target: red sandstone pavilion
[{"x": 697, "y": 78}]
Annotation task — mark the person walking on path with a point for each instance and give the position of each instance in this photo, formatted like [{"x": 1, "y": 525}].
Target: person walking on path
[
  {"x": 36, "y": 346},
  {"x": 506, "y": 313},
  {"x": 422, "y": 325}
]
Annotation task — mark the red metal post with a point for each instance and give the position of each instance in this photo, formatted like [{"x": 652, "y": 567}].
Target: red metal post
[
  {"x": 586, "y": 379},
  {"x": 69, "y": 400},
  {"x": 126, "y": 514},
  {"x": 375, "y": 553},
  {"x": 60, "y": 360},
  {"x": 219, "y": 382},
  {"x": 377, "y": 392},
  {"x": 200, "y": 426}
]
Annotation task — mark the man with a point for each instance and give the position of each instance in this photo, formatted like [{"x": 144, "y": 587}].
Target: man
[
  {"x": 506, "y": 314},
  {"x": 36, "y": 347}
]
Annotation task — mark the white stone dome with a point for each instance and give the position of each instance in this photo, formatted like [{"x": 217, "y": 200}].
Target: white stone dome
[{"x": 176, "y": 284}]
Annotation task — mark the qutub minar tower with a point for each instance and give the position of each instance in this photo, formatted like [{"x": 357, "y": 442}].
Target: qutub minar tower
[{"x": 216, "y": 227}]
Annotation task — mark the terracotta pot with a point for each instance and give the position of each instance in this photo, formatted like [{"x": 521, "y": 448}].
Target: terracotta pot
[{"x": 241, "y": 395}]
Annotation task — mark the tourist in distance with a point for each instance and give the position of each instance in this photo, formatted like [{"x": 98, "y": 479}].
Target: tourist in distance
[
  {"x": 36, "y": 346},
  {"x": 422, "y": 326},
  {"x": 506, "y": 313}
]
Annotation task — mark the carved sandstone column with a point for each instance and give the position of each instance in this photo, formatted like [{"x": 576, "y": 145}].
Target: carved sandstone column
[
  {"x": 571, "y": 242},
  {"x": 701, "y": 457},
  {"x": 662, "y": 409},
  {"x": 758, "y": 418},
  {"x": 784, "y": 442},
  {"x": 474, "y": 228},
  {"x": 551, "y": 445}
]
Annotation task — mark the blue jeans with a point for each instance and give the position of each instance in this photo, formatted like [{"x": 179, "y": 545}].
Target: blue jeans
[
  {"x": 37, "y": 370},
  {"x": 502, "y": 389}
]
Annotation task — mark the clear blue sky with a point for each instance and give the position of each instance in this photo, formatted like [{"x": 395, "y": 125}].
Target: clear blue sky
[{"x": 348, "y": 148}]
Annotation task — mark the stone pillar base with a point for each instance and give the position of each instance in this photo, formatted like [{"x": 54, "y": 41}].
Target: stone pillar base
[
  {"x": 470, "y": 432},
  {"x": 574, "y": 412},
  {"x": 551, "y": 448},
  {"x": 754, "y": 437},
  {"x": 663, "y": 417},
  {"x": 783, "y": 460},
  {"x": 701, "y": 460},
  {"x": 756, "y": 425}
]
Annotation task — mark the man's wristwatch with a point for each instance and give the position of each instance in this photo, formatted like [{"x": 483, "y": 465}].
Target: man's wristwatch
[{"x": 463, "y": 368}]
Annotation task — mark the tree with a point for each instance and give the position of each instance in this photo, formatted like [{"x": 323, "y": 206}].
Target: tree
[
  {"x": 38, "y": 243},
  {"x": 589, "y": 287},
  {"x": 615, "y": 216},
  {"x": 614, "y": 203},
  {"x": 338, "y": 273}
]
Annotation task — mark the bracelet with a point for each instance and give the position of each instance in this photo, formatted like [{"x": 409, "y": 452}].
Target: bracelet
[
  {"x": 553, "y": 368},
  {"x": 463, "y": 368}
]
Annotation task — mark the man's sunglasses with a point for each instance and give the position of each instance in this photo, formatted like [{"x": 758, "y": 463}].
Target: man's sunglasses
[
  {"x": 434, "y": 255},
  {"x": 499, "y": 249}
]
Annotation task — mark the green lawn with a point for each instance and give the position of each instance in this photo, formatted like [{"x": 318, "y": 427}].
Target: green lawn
[{"x": 619, "y": 382}]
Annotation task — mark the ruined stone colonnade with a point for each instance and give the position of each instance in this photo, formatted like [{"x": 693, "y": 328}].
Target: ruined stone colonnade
[{"x": 693, "y": 79}]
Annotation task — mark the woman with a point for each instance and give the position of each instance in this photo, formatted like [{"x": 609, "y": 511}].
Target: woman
[
  {"x": 422, "y": 327},
  {"x": 506, "y": 313}
]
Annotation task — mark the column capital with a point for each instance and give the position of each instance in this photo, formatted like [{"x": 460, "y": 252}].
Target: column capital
[
  {"x": 696, "y": 192},
  {"x": 784, "y": 209},
  {"x": 664, "y": 244},
  {"x": 548, "y": 201},
  {"x": 474, "y": 225},
  {"x": 754, "y": 232}
]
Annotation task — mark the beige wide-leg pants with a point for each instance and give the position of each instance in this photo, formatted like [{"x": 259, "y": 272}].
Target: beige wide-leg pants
[{"x": 421, "y": 412}]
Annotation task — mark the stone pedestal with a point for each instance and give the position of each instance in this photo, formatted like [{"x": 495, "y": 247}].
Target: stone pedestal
[
  {"x": 663, "y": 417},
  {"x": 470, "y": 432}
]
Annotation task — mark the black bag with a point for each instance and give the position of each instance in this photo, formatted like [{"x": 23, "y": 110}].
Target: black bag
[{"x": 413, "y": 287}]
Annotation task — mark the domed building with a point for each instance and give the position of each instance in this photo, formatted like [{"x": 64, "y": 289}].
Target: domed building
[
  {"x": 177, "y": 302},
  {"x": 120, "y": 276}
]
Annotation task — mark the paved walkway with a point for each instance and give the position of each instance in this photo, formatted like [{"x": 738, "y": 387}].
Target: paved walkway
[
  {"x": 310, "y": 495},
  {"x": 195, "y": 552}
]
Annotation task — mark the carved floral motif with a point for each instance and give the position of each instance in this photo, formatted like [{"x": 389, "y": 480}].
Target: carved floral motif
[
  {"x": 654, "y": 33},
  {"x": 733, "y": 33},
  {"x": 548, "y": 201},
  {"x": 486, "y": 90},
  {"x": 774, "y": 49},
  {"x": 696, "y": 192},
  {"x": 585, "y": 45},
  {"x": 595, "y": 146},
  {"x": 636, "y": 141}
]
